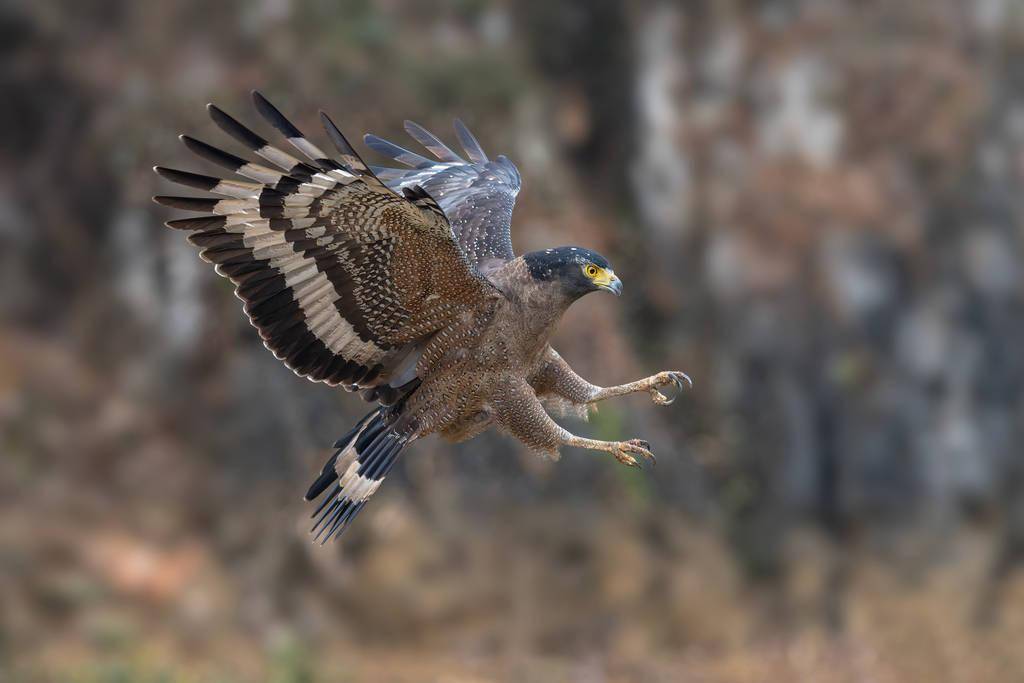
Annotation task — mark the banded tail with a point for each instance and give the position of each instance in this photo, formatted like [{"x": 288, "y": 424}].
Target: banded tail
[{"x": 363, "y": 458}]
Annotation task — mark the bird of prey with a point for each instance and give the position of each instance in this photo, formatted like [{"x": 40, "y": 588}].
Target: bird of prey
[{"x": 401, "y": 285}]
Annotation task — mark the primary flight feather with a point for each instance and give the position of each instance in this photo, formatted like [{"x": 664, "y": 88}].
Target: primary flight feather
[{"x": 400, "y": 284}]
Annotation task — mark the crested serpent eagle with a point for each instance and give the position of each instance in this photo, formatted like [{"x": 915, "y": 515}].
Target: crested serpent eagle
[{"x": 401, "y": 285}]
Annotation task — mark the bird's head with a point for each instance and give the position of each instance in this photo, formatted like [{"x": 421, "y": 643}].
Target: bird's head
[{"x": 574, "y": 270}]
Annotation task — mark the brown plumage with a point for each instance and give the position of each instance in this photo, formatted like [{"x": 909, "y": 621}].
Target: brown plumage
[{"x": 401, "y": 285}]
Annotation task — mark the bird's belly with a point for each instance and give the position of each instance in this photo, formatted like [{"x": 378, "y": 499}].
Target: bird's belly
[
  {"x": 455, "y": 402},
  {"x": 465, "y": 428}
]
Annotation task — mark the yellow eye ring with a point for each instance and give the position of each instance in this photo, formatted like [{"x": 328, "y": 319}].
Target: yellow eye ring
[{"x": 591, "y": 271}]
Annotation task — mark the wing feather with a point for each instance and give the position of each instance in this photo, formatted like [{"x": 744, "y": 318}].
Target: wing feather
[
  {"x": 335, "y": 268},
  {"x": 432, "y": 143},
  {"x": 399, "y": 154},
  {"x": 468, "y": 141},
  {"x": 477, "y": 197},
  {"x": 295, "y": 138}
]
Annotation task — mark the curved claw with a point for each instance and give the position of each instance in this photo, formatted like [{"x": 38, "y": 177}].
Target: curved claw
[
  {"x": 661, "y": 399},
  {"x": 672, "y": 377}
]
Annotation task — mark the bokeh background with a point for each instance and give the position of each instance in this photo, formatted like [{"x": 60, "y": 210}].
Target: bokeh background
[{"x": 817, "y": 211}]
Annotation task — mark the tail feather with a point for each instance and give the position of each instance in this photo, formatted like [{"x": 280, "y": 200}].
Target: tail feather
[
  {"x": 327, "y": 475},
  {"x": 364, "y": 457}
]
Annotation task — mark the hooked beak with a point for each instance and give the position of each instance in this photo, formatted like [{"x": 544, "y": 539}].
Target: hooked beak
[{"x": 610, "y": 282}]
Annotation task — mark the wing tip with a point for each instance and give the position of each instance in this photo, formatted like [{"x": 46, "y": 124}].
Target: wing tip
[
  {"x": 341, "y": 142},
  {"x": 273, "y": 116},
  {"x": 187, "y": 178},
  {"x": 469, "y": 143},
  {"x": 326, "y": 119},
  {"x": 433, "y": 143}
]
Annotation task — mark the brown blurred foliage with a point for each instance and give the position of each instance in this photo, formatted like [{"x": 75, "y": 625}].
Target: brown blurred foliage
[{"x": 815, "y": 207}]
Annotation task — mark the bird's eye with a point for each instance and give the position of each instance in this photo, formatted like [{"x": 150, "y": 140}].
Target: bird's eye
[{"x": 591, "y": 270}]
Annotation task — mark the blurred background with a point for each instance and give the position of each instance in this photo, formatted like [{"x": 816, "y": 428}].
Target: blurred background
[{"x": 816, "y": 208}]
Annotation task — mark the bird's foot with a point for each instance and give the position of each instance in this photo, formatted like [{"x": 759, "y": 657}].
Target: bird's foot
[
  {"x": 668, "y": 378},
  {"x": 624, "y": 452}
]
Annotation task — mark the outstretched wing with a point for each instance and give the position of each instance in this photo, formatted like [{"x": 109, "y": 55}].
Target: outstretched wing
[
  {"x": 477, "y": 195},
  {"x": 341, "y": 275}
]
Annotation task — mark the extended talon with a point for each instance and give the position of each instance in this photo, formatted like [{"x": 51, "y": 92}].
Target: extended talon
[
  {"x": 625, "y": 458},
  {"x": 665, "y": 379},
  {"x": 636, "y": 446}
]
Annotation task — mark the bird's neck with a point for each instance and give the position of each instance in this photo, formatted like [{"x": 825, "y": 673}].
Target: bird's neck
[
  {"x": 540, "y": 305},
  {"x": 541, "y": 314}
]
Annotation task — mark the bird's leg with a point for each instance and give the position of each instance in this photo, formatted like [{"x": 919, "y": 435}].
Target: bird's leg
[
  {"x": 555, "y": 377},
  {"x": 650, "y": 384},
  {"x": 624, "y": 451},
  {"x": 518, "y": 411}
]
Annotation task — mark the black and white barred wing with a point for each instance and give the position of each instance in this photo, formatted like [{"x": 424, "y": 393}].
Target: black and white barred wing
[
  {"x": 478, "y": 195},
  {"x": 340, "y": 274}
]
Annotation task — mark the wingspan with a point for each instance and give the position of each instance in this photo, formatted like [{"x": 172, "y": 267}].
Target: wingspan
[
  {"x": 343, "y": 276},
  {"x": 477, "y": 196}
]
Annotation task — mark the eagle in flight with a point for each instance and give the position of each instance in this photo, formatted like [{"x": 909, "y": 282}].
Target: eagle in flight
[{"x": 402, "y": 285}]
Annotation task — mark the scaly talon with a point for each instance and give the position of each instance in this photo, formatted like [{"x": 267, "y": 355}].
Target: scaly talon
[
  {"x": 636, "y": 446},
  {"x": 626, "y": 459}
]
